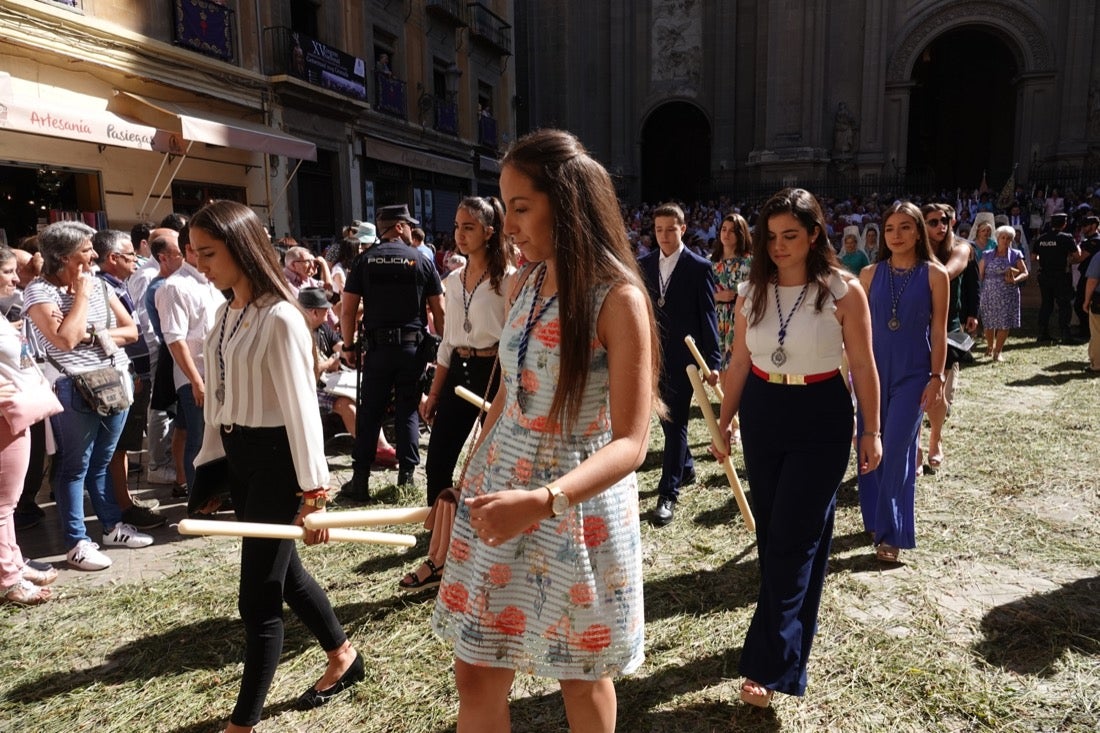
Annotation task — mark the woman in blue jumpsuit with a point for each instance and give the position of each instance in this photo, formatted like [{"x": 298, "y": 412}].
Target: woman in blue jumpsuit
[{"x": 907, "y": 290}]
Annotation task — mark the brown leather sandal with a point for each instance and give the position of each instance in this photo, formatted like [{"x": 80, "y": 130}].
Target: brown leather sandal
[{"x": 886, "y": 553}]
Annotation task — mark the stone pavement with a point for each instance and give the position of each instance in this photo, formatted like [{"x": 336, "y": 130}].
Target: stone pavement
[{"x": 44, "y": 542}]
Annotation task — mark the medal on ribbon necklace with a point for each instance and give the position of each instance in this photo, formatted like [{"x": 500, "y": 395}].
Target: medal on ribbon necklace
[
  {"x": 219, "y": 392},
  {"x": 468, "y": 298},
  {"x": 895, "y": 297},
  {"x": 534, "y": 315},
  {"x": 779, "y": 356},
  {"x": 663, "y": 282}
]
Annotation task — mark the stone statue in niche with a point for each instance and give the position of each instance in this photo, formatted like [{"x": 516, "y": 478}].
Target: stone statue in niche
[{"x": 845, "y": 129}]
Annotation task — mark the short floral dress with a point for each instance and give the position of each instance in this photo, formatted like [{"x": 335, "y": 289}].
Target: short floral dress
[
  {"x": 564, "y": 598},
  {"x": 728, "y": 274},
  {"x": 1000, "y": 300}
]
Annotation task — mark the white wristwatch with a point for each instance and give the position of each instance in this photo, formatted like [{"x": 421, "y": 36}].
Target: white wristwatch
[{"x": 559, "y": 502}]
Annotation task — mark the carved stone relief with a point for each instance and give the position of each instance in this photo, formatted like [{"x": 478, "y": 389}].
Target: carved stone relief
[{"x": 677, "y": 41}]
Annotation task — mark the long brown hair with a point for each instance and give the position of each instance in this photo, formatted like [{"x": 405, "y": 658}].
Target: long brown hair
[
  {"x": 248, "y": 244},
  {"x": 499, "y": 253},
  {"x": 924, "y": 246},
  {"x": 740, "y": 231},
  {"x": 591, "y": 249},
  {"x": 821, "y": 262},
  {"x": 943, "y": 253}
]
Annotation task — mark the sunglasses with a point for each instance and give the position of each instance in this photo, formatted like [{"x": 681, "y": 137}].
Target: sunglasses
[{"x": 937, "y": 221}]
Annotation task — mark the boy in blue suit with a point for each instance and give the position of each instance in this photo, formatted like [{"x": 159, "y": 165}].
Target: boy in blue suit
[{"x": 681, "y": 286}]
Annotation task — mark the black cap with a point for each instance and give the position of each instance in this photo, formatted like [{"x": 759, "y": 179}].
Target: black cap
[
  {"x": 1092, "y": 220},
  {"x": 312, "y": 298},
  {"x": 397, "y": 212},
  {"x": 1059, "y": 218}
]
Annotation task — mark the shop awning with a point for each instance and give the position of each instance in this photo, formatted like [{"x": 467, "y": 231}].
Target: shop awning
[
  {"x": 201, "y": 126},
  {"x": 37, "y": 116}
]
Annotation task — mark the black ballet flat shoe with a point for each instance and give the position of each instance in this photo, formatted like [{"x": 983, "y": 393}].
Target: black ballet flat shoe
[{"x": 314, "y": 698}]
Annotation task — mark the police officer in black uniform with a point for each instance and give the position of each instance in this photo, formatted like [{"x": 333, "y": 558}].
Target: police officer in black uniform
[
  {"x": 1055, "y": 251},
  {"x": 395, "y": 282},
  {"x": 1090, "y": 246}
]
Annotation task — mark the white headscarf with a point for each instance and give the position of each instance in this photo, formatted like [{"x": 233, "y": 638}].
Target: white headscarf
[
  {"x": 983, "y": 217},
  {"x": 851, "y": 231},
  {"x": 878, "y": 241}
]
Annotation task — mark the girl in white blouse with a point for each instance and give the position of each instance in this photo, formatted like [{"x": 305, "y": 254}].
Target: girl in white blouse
[
  {"x": 261, "y": 413},
  {"x": 476, "y": 303}
]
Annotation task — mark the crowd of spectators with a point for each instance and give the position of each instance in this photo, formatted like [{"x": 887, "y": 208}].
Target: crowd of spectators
[{"x": 1030, "y": 211}]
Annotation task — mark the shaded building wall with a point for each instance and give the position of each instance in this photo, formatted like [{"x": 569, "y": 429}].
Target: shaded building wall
[{"x": 771, "y": 78}]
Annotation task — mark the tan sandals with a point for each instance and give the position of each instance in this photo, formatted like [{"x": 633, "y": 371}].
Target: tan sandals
[
  {"x": 26, "y": 593},
  {"x": 755, "y": 694}
]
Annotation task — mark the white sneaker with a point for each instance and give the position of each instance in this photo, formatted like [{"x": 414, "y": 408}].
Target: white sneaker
[
  {"x": 165, "y": 475},
  {"x": 86, "y": 556},
  {"x": 126, "y": 535}
]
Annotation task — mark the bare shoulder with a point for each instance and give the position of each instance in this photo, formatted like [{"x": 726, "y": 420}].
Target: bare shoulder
[
  {"x": 623, "y": 296},
  {"x": 623, "y": 311},
  {"x": 936, "y": 271}
]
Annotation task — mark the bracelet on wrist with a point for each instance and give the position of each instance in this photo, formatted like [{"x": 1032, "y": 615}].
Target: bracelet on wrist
[{"x": 872, "y": 434}]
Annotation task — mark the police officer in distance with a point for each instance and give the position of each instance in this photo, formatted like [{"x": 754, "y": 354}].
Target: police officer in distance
[
  {"x": 1055, "y": 251},
  {"x": 395, "y": 282}
]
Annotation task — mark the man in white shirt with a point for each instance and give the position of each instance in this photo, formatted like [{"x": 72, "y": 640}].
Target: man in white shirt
[
  {"x": 186, "y": 304},
  {"x": 158, "y": 427}
]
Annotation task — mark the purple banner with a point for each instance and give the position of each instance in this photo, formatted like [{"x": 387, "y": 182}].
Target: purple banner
[{"x": 205, "y": 26}]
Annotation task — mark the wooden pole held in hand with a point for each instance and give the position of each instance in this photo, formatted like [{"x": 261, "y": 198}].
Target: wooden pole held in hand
[
  {"x": 472, "y": 398},
  {"x": 703, "y": 368},
  {"x": 288, "y": 532},
  {"x": 367, "y": 517},
  {"x": 716, "y": 436}
]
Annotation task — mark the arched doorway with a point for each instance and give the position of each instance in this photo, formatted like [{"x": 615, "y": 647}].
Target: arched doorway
[
  {"x": 962, "y": 110},
  {"x": 675, "y": 153}
]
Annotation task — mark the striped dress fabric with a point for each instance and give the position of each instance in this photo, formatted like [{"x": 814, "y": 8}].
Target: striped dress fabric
[{"x": 564, "y": 598}]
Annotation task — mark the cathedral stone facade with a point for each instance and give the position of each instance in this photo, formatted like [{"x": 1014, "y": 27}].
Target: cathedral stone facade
[{"x": 683, "y": 97}]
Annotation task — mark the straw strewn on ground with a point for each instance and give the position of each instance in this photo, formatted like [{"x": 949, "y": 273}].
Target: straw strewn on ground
[{"x": 991, "y": 624}]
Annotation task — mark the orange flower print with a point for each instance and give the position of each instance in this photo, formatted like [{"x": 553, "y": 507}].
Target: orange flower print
[
  {"x": 500, "y": 574},
  {"x": 596, "y": 637},
  {"x": 549, "y": 333},
  {"x": 582, "y": 594},
  {"x": 529, "y": 381},
  {"x": 460, "y": 550},
  {"x": 511, "y": 621},
  {"x": 522, "y": 471},
  {"x": 455, "y": 597},
  {"x": 595, "y": 531}
]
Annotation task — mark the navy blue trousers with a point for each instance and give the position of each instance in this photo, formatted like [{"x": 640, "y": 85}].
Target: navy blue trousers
[
  {"x": 677, "y": 463},
  {"x": 389, "y": 370},
  {"x": 797, "y": 441}
]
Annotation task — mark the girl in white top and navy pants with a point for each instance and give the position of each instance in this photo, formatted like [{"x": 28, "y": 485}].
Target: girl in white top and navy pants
[
  {"x": 800, "y": 312},
  {"x": 261, "y": 413}
]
